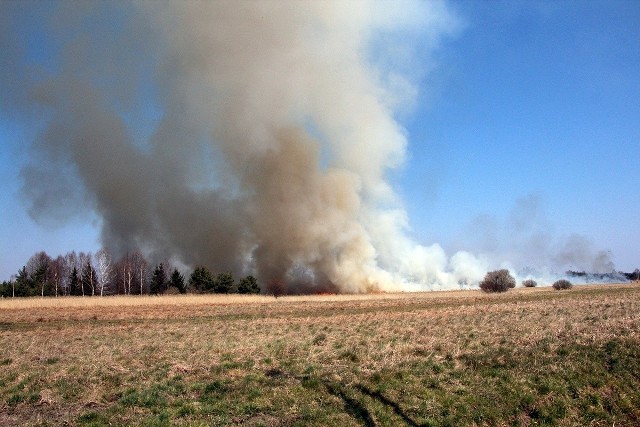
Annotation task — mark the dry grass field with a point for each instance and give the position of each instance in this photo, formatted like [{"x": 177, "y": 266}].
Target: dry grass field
[{"x": 527, "y": 357}]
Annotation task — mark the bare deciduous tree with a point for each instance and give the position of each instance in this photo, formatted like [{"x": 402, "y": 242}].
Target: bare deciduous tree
[
  {"x": 103, "y": 263},
  {"x": 71, "y": 261},
  {"x": 59, "y": 275},
  {"x": 139, "y": 266},
  {"x": 125, "y": 274}
]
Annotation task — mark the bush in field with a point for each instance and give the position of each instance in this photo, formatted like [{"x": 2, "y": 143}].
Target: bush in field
[
  {"x": 498, "y": 281},
  {"x": 529, "y": 283},
  {"x": 562, "y": 284}
]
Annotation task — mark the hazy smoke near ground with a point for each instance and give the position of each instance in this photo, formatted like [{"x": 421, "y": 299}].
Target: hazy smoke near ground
[
  {"x": 527, "y": 243},
  {"x": 249, "y": 136}
]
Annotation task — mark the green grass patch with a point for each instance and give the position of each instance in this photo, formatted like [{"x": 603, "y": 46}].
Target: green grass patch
[{"x": 415, "y": 362}]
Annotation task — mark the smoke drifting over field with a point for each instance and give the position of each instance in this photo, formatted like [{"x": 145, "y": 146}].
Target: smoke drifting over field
[
  {"x": 246, "y": 136},
  {"x": 526, "y": 242}
]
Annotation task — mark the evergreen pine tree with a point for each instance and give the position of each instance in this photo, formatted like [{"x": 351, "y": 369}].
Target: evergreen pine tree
[
  {"x": 201, "y": 280},
  {"x": 177, "y": 280},
  {"x": 6, "y": 288},
  {"x": 75, "y": 287},
  {"x": 223, "y": 283},
  {"x": 159, "y": 280},
  {"x": 24, "y": 286},
  {"x": 248, "y": 285}
]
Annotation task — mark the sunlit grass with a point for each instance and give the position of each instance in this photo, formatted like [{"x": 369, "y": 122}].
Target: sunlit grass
[
  {"x": 195, "y": 299},
  {"x": 526, "y": 357}
]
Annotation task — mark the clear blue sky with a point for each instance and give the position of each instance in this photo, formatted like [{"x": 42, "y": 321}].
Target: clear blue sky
[
  {"x": 532, "y": 106},
  {"x": 534, "y": 100}
]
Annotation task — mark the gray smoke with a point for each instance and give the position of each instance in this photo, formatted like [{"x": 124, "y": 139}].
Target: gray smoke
[
  {"x": 529, "y": 244},
  {"x": 246, "y": 136},
  {"x": 254, "y": 137}
]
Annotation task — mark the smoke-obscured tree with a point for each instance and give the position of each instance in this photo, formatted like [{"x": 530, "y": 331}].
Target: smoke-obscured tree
[
  {"x": 103, "y": 261},
  {"x": 158, "y": 283},
  {"x": 201, "y": 280},
  {"x": 88, "y": 279},
  {"x": 177, "y": 281},
  {"x": 139, "y": 265},
  {"x": 529, "y": 283},
  {"x": 276, "y": 288},
  {"x": 248, "y": 285},
  {"x": 124, "y": 274},
  {"x": 223, "y": 283},
  {"x": 498, "y": 281},
  {"x": 75, "y": 284},
  {"x": 562, "y": 284}
]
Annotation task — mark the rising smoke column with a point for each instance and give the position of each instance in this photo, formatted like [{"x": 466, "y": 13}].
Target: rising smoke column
[{"x": 265, "y": 149}]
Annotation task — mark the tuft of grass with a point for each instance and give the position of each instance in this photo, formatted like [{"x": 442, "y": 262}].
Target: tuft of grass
[
  {"x": 319, "y": 339},
  {"x": 93, "y": 419}
]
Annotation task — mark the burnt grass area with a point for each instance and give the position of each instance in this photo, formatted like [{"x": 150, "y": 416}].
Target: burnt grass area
[{"x": 528, "y": 357}]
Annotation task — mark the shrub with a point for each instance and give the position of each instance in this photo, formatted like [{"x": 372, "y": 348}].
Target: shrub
[
  {"x": 498, "y": 281},
  {"x": 561, "y": 284},
  {"x": 529, "y": 283}
]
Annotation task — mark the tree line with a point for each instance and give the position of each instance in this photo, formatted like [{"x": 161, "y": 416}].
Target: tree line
[{"x": 86, "y": 274}]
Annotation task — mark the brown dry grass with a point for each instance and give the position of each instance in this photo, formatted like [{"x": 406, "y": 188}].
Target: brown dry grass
[
  {"x": 197, "y": 299},
  {"x": 62, "y": 358}
]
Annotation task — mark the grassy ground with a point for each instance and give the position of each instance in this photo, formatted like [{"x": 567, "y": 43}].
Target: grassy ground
[{"x": 527, "y": 357}]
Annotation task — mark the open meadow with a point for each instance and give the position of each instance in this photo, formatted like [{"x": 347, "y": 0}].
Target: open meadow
[{"x": 526, "y": 357}]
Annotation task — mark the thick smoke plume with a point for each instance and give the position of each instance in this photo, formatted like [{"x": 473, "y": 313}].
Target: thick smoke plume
[
  {"x": 248, "y": 136},
  {"x": 265, "y": 146}
]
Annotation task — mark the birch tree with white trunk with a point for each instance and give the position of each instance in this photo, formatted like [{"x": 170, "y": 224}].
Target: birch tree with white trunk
[{"x": 103, "y": 263}]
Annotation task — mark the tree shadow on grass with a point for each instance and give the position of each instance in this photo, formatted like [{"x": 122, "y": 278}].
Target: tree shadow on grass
[
  {"x": 352, "y": 406},
  {"x": 390, "y": 403}
]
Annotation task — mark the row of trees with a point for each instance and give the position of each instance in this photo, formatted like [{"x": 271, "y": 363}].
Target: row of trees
[{"x": 86, "y": 274}]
